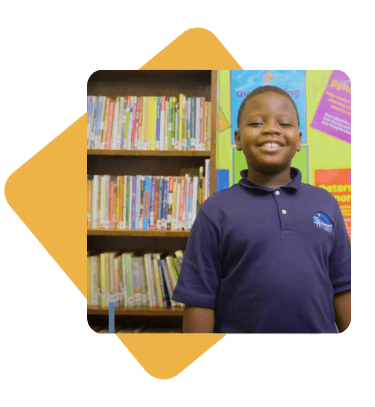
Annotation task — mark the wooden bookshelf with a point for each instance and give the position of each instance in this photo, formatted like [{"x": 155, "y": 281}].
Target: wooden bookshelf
[
  {"x": 153, "y": 163},
  {"x": 96, "y": 310}
]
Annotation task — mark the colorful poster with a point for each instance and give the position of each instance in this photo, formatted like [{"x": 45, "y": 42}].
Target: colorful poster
[
  {"x": 293, "y": 82},
  {"x": 333, "y": 115},
  {"x": 338, "y": 183}
]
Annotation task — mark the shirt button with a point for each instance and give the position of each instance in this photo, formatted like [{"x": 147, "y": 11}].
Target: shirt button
[
  {"x": 277, "y": 192},
  {"x": 283, "y": 211}
]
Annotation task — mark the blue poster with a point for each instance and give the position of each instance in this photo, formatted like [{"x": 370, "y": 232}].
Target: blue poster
[{"x": 293, "y": 82}]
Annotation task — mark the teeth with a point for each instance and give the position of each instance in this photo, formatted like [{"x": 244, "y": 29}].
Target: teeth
[{"x": 271, "y": 145}]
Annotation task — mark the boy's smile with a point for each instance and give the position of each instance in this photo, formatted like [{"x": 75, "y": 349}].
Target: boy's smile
[{"x": 268, "y": 133}]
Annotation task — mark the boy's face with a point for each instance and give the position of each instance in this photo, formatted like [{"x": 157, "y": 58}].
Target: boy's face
[{"x": 269, "y": 118}]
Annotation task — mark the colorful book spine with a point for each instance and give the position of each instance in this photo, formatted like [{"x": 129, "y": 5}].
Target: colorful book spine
[
  {"x": 170, "y": 203},
  {"x": 174, "y": 204},
  {"x": 152, "y": 203},
  {"x": 143, "y": 281},
  {"x": 136, "y": 282},
  {"x": 158, "y": 124},
  {"x": 130, "y": 124},
  {"x": 160, "y": 203},
  {"x": 129, "y": 279},
  {"x": 146, "y": 203},
  {"x": 138, "y": 211},
  {"x": 145, "y": 123},
  {"x": 193, "y": 127},
  {"x": 134, "y": 124},
  {"x": 165, "y": 204},
  {"x": 153, "y": 121},
  {"x": 134, "y": 201}
]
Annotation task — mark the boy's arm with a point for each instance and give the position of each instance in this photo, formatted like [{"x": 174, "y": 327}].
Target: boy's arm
[
  {"x": 342, "y": 307},
  {"x": 198, "y": 320}
]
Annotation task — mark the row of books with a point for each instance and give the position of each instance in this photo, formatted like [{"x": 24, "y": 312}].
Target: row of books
[
  {"x": 138, "y": 202},
  {"x": 138, "y": 329},
  {"x": 131, "y": 281},
  {"x": 148, "y": 123}
]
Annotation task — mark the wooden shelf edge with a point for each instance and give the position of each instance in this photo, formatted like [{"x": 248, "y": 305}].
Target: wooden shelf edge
[
  {"x": 95, "y": 310},
  {"x": 144, "y": 233},
  {"x": 152, "y": 153}
]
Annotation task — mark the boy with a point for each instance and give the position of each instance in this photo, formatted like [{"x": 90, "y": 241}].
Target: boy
[{"x": 270, "y": 254}]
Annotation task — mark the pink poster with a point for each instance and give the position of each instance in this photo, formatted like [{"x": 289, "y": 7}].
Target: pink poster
[{"x": 333, "y": 115}]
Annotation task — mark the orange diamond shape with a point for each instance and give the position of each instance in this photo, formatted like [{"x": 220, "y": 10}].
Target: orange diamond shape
[{"x": 55, "y": 208}]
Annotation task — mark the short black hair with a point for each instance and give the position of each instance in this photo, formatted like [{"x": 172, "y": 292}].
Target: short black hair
[{"x": 264, "y": 89}]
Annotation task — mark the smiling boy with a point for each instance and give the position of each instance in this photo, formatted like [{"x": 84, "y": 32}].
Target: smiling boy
[{"x": 270, "y": 254}]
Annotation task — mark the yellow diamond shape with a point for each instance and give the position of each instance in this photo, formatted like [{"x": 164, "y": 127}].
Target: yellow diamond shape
[{"x": 48, "y": 193}]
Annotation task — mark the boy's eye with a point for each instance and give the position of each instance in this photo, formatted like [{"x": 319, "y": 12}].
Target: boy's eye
[
  {"x": 285, "y": 125},
  {"x": 255, "y": 124}
]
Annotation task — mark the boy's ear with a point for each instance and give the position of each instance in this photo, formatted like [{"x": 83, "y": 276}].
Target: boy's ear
[
  {"x": 237, "y": 138},
  {"x": 299, "y": 141}
]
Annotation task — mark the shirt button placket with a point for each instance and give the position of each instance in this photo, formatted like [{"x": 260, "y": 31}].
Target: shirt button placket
[{"x": 285, "y": 219}]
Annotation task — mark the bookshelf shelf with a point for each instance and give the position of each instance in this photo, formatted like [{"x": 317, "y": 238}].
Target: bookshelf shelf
[
  {"x": 95, "y": 310},
  {"x": 148, "y": 153},
  {"x": 142, "y": 233},
  {"x": 148, "y": 163}
]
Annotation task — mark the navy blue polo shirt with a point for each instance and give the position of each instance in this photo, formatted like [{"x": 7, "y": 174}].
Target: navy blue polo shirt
[{"x": 268, "y": 260}]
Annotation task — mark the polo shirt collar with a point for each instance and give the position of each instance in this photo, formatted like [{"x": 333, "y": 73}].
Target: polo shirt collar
[{"x": 293, "y": 185}]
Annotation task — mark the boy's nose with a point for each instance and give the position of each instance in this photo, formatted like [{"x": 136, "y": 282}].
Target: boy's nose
[{"x": 270, "y": 128}]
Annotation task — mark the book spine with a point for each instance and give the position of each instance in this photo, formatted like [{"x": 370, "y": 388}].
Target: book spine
[
  {"x": 142, "y": 203},
  {"x": 143, "y": 281},
  {"x": 156, "y": 202},
  {"x": 190, "y": 202},
  {"x": 89, "y": 199},
  {"x": 162, "y": 284},
  {"x": 165, "y": 106},
  {"x": 111, "y": 202},
  {"x": 152, "y": 203},
  {"x": 137, "y": 283},
  {"x": 150, "y": 281},
  {"x": 130, "y": 125},
  {"x": 134, "y": 201},
  {"x": 171, "y": 277},
  {"x": 162, "y": 122},
  {"x": 103, "y": 122},
  {"x": 165, "y": 204},
  {"x": 174, "y": 204},
  {"x": 138, "y": 202},
  {"x": 134, "y": 123},
  {"x": 157, "y": 282},
  {"x": 182, "y": 199},
  {"x": 171, "y": 124},
  {"x": 188, "y": 125},
  {"x": 158, "y": 124},
  {"x": 146, "y": 203},
  {"x": 124, "y": 286},
  {"x": 145, "y": 123},
  {"x": 153, "y": 123},
  {"x": 170, "y": 203},
  {"x": 167, "y": 281},
  {"x": 118, "y": 125},
  {"x": 160, "y": 203},
  {"x": 203, "y": 123},
  {"x": 193, "y": 127},
  {"x": 108, "y": 202},
  {"x": 109, "y": 125},
  {"x": 129, "y": 280}
]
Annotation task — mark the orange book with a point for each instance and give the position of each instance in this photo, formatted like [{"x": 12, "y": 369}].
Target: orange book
[{"x": 111, "y": 200}]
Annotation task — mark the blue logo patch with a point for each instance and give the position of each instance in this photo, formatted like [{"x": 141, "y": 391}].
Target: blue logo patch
[{"x": 323, "y": 221}]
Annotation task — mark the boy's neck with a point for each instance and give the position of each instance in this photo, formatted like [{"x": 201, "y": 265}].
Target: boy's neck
[{"x": 274, "y": 181}]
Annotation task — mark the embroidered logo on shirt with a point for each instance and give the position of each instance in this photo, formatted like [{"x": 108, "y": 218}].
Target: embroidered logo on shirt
[{"x": 323, "y": 221}]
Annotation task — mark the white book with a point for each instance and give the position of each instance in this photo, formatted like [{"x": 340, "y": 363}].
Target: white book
[
  {"x": 103, "y": 192},
  {"x": 130, "y": 201},
  {"x": 186, "y": 196},
  {"x": 124, "y": 281},
  {"x": 94, "y": 201}
]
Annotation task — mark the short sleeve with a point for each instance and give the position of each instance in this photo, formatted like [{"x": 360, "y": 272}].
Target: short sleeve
[
  {"x": 199, "y": 279},
  {"x": 340, "y": 258}
]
